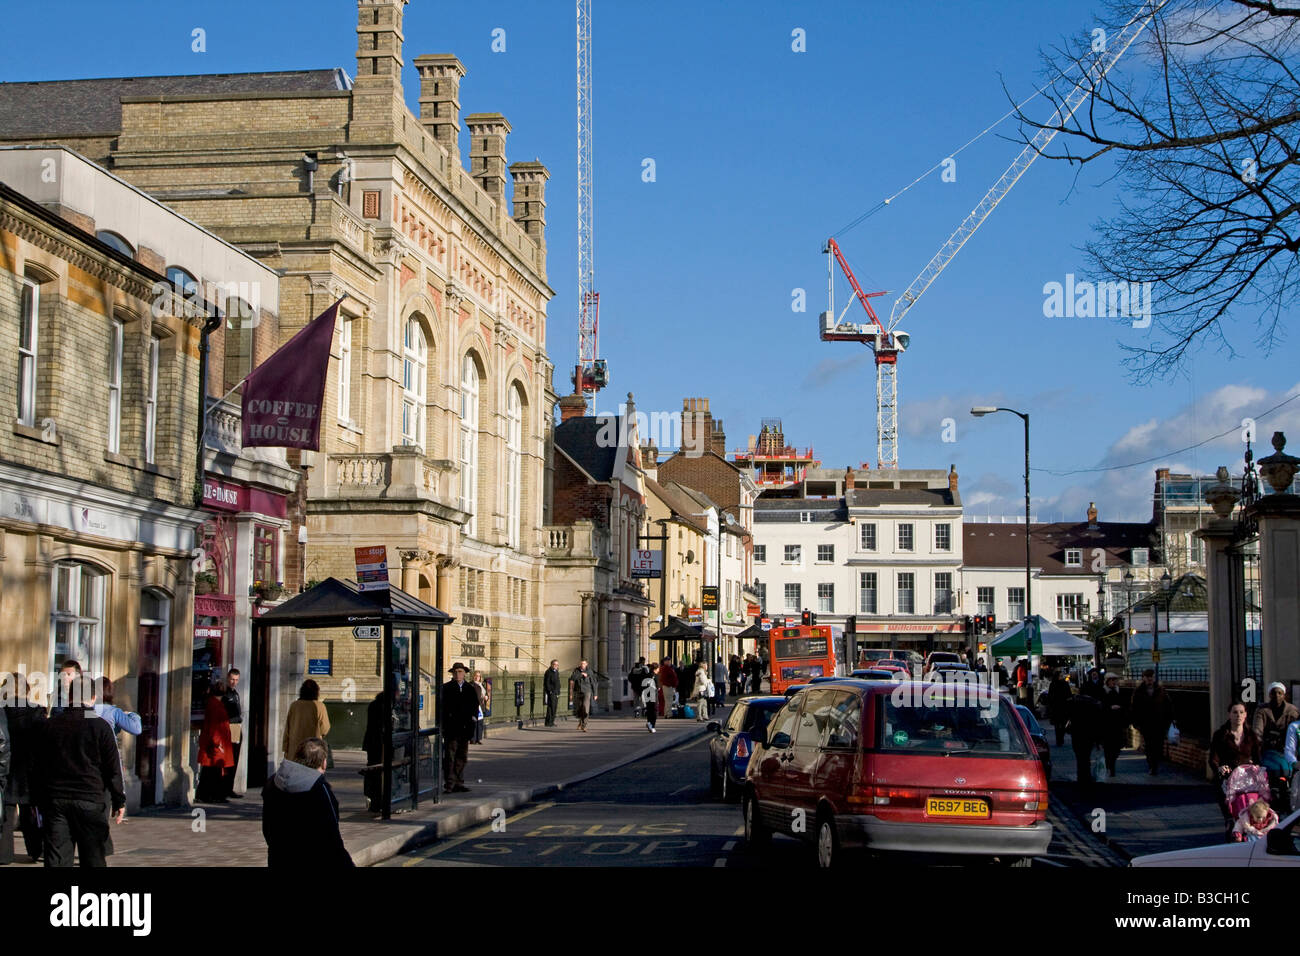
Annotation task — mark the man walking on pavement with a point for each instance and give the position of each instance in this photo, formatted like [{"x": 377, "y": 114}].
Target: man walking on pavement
[
  {"x": 236, "y": 715},
  {"x": 582, "y": 688},
  {"x": 635, "y": 679},
  {"x": 1114, "y": 722},
  {"x": 460, "y": 703},
  {"x": 1151, "y": 712},
  {"x": 551, "y": 691},
  {"x": 719, "y": 698}
]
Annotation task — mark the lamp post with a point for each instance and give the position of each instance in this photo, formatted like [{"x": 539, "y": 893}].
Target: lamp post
[
  {"x": 1155, "y": 614},
  {"x": 980, "y": 411},
  {"x": 1101, "y": 614}
]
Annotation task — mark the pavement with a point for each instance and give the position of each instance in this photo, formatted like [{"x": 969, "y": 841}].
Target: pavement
[
  {"x": 1134, "y": 813},
  {"x": 510, "y": 768}
]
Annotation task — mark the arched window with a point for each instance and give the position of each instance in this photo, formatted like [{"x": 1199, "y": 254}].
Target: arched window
[
  {"x": 514, "y": 463},
  {"x": 469, "y": 389},
  {"x": 77, "y": 618},
  {"x": 116, "y": 241},
  {"x": 183, "y": 282},
  {"x": 415, "y": 359}
]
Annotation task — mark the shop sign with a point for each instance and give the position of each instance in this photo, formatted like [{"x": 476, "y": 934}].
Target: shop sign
[
  {"x": 219, "y": 494},
  {"x": 372, "y": 568},
  {"x": 647, "y": 564},
  {"x": 695, "y": 615}
]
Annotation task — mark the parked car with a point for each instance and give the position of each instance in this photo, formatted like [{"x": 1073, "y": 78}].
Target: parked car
[
  {"x": 903, "y": 768},
  {"x": 733, "y": 742},
  {"x": 1037, "y": 735},
  {"x": 822, "y": 679},
  {"x": 880, "y": 673},
  {"x": 1280, "y": 847},
  {"x": 942, "y": 657},
  {"x": 794, "y": 689},
  {"x": 893, "y": 665}
]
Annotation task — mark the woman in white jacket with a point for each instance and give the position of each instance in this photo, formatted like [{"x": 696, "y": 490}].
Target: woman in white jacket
[
  {"x": 702, "y": 691},
  {"x": 650, "y": 697}
]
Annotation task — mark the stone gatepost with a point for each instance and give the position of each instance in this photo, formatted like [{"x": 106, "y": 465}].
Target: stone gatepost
[
  {"x": 1278, "y": 516},
  {"x": 1227, "y": 631}
]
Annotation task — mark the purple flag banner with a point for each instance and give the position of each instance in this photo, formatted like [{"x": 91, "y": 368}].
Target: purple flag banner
[{"x": 285, "y": 395}]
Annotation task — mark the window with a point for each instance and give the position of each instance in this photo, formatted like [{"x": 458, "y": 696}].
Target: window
[
  {"x": 728, "y": 545},
  {"x": 266, "y": 567},
  {"x": 76, "y": 622},
  {"x": 867, "y": 592},
  {"x": 943, "y": 537},
  {"x": 1016, "y": 604},
  {"x": 1194, "y": 548},
  {"x": 906, "y": 593},
  {"x": 28, "y": 336},
  {"x": 792, "y": 600},
  {"x": 1141, "y": 557},
  {"x": 241, "y": 323},
  {"x": 943, "y": 592},
  {"x": 151, "y": 403},
  {"x": 805, "y": 516},
  {"x": 469, "y": 440},
  {"x": 183, "y": 282},
  {"x": 867, "y": 537},
  {"x": 415, "y": 357},
  {"x": 1073, "y": 558},
  {"x": 984, "y": 601},
  {"x": 345, "y": 369},
  {"x": 826, "y": 598},
  {"x": 905, "y": 537},
  {"x": 1069, "y": 607},
  {"x": 514, "y": 464},
  {"x": 761, "y": 590},
  {"x": 792, "y": 554},
  {"x": 825, "y": 553},
  {"x": 760, "y": 554},
  {"x": 116, "y": 337},
  {"x": 115, "y": 241}
]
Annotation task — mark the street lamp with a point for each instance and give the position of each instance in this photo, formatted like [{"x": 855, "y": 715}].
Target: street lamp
[
  {"x": 1101, "y": 613},
  {"x": 1165, "y": 582},
  {"x": 980, "y": 411}
]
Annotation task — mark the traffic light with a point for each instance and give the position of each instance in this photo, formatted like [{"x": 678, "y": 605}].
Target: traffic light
[
  {"x": 809, "y": 618},
  {"x": 989, "y": 624},
  {"x": 969, "y": 625},
  {"x": 851, "y": 624}
]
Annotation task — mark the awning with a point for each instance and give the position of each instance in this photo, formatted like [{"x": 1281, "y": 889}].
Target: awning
[
  {"x": 1047, "y": 639},
  {"x": 678, "y": 629},
  {"x": 751, "y": 633}
]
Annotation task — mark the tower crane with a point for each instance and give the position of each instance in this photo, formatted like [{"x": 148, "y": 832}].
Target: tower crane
[
  {"x": 590, "y": 374},
  {"x": 886, "y": 341}
]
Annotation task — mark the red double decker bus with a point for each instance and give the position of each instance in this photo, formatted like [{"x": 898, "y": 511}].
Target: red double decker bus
[{"x": 798, "y": 654}]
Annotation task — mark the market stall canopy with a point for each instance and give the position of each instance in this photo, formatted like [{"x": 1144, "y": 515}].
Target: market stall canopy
[
  {"x": 335, "y": 603},
  {"x": 1047, "y": 640},
  {"x": 677, "y": 630}
]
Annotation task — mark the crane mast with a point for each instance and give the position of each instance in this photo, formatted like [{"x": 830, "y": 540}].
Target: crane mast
[{"x": 590, "y": 374}]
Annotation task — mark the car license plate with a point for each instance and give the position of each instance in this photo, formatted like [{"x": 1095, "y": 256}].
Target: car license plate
[{"x": 956, "y": 807}]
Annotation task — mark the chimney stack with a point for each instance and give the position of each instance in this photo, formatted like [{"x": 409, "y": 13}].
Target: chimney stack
[
  {"x": 440, "y": 76},
  {"x": 379, "y": 40},
  {"x": 719, "y": 439},
  {"x": 1092, "y": 514},
  {"x": 848, "y": 479},
  {"x": 530, "y": 199},
  {"x": 952, "y": 478},
  {"x": 487, "y": 154},
  {"x": 650, "y": 460},
  {"x": 572, "y": 406}
]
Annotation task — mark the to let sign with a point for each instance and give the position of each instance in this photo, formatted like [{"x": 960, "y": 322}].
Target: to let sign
[
  {"x": 647, "y": 564},
  {"x": 372, "y": 568}
]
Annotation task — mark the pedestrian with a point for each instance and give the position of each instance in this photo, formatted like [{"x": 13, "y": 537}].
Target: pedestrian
[
  {"x": 1085, "y": 726},
  {"x": 1255, "y": 821},
  {"x": 1004, "y": 679},
  {"x": 25, "y": 719},
  {"x": 1114, "y": 722},
  {"x": 736, "y": 673},
  {"x": 582, "y": 690},
  {"x": 666, "y": 678},
  {"x": 1058, "y": 705},
  {"x": 216, "y": 755},
  {"x": 1151, "y": 712},
  {"x": 235, "y": 713},
  {"x": 650, "y": 697},
  {"x": 306, "y": 719},
  {"x": 372, "y": 742},
  {"x": 753, "y": 673},
  {"x": 69, "y": 671},
  {"x": 701, "y": 692},
  {"x": 460, "y": 705},
  {"x": 300, "y": 814},
  {"x": 1233, "y": 745},
  {"x": 1270, "y": 724},
  {"x": 635, "y": 678},
  {"x": 1093, "y": 685},
  {"x": 480, "y": 724},
  {"x": 719, "y": 685},
  {"x": 118, "y": 720},
  {"x": 551, "y": 691},
  {"x": 76, "y": 762}
]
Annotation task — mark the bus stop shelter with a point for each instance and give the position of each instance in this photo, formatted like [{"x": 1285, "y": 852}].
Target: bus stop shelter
[{"x": 411, "y": 636}]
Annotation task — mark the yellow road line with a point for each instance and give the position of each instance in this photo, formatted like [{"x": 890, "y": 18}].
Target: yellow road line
[{"x": 474, "y": 834}]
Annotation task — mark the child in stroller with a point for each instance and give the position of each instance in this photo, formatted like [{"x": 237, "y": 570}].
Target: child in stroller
[{"x": 1256, "y": 820}]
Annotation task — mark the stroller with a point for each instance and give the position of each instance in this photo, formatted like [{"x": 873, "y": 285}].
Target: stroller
[{"x": 1244, "y": 786}]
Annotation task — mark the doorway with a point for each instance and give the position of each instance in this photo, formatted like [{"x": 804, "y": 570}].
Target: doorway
[{"x": 151, "y": 670}]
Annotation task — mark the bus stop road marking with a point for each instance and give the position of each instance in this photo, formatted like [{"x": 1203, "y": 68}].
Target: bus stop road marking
[{"x": 474, "y": 834}]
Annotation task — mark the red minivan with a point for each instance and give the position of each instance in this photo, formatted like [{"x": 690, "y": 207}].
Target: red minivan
[{"x": 915, "y": 767}]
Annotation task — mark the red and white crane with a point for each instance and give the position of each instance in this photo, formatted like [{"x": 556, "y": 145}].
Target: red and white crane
[
  {"x": 886, "y": 341},
  {"x": 590, "y": 375}
]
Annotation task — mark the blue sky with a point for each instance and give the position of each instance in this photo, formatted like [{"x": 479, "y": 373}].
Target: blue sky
[{"x": 760, "y": 153}]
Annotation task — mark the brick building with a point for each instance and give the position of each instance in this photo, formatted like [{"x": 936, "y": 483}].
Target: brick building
[{"x": 439, "y": 380}]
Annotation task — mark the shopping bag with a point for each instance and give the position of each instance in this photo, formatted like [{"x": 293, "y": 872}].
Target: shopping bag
[
  {"x": 690, "y": 712},
  {"x": 1098, "y": 763},
  {"x": 1173, "y": 737}
]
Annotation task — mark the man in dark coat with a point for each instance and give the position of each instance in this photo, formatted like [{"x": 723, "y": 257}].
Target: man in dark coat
[
  {"x": 76, "y": 762},
  {"x": 635, "y": 678},
  {"x": 1114, "y": 721},
  {"x": 300, "y": 814},
  {"x": 1058, "y": 702},
  {"x": 582, "y": 685},
  {"x": 736, "y": 674},
  {"x": 235, "y": 713},
  {"x": 17, "y": 806},
  {"x": 1151, "y": 712},
  {"x": 460, "y": 703},
  {"x": 551, "y": 692},
  {"x": 372, "y": 742},
  {"x": 1085, "y": 727}
]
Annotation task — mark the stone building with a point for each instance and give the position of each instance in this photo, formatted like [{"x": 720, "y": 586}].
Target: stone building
[
  {"x": 439, "y": 382},
  {"x": 98, "y": 466},
  {"x": 595, "y": 609}
]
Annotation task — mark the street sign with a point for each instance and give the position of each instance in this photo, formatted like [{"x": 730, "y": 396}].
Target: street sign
[
  {"x": 368, "y": 632},
  {"x": 753, "y": 610},
  {"x": 709, "y": 601},
  {"x": 1155, "y": 657},
  {"x": 372, "y": 568},
  {"x": 765, "y": 625},
  {"x": 319, "y": 666},
  {"x": 647, "y": 564},
  {"x": 695, "y": 615}
]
